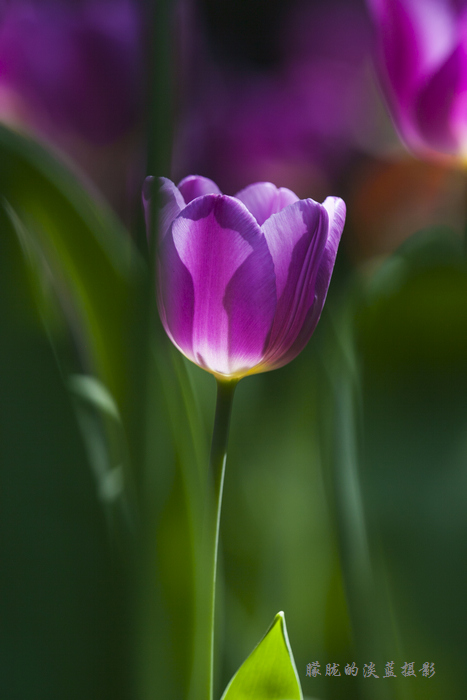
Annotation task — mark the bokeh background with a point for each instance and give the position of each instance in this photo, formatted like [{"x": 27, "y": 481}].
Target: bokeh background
[{"x": 346, "y": 487}]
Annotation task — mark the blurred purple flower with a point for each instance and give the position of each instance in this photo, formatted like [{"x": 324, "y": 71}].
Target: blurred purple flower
[
  {"x": 243, "y": 280},
  {"x": 423, "y": 63},
  {"x": 72, "y": 75},
  {"x": 71, "y": 67},
  {"x": 298, "y": 121}
]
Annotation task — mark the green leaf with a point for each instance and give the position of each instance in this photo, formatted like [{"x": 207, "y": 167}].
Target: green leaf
[
  {"x": 80, "y": 245},
  {"x": 95, "y": 393},
  {"x": 64, "y": 589},
  {"x": 269, "y": 673}
]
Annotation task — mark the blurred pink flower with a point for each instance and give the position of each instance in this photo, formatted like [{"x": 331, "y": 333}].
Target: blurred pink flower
[
  {"x": 297, "y": 122},
  {"x": 422, "y": 54},
  {"x": 72, "y": 74},
  {"x": 74, "y": 67}
]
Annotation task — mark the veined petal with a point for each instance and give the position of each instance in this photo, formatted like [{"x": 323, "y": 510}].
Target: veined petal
[
  {"x": 303, "y": 263},
  {"x": 335, "y": 208},
  {"x": 196, "y": 186},
  {"x": 263, "y": 199},
  {"x": 228, "y": 260},
  {"x": 284, "y": 230},
  {"x": 296, "y": 237}
]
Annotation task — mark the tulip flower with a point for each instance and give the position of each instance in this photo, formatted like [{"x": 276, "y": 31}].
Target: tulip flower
[
  {"x": 423, "y": 63},
  {"x": 241, "y": 285},
  {"x": 243, "y": 280}
]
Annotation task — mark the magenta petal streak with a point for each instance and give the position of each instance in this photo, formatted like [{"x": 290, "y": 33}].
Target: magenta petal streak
[
  {"x": 243, "y": 280},
  {"x": 422, "y": 52}
]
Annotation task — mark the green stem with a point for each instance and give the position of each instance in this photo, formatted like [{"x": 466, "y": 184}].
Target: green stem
[{"x": 203, "y": 671}]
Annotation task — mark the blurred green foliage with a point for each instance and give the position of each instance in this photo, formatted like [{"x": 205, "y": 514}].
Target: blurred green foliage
[
  {"x": 63, "y": 607},
  {"x": 399, "y": 405}
]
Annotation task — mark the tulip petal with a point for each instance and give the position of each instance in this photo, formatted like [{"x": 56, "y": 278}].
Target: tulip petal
[
  {"x": 171, "y": 202},
  {"x": 296, "y": 237},
  {"x": 303, "y": 241},
  {"x": 234, "y": 294},
  {"x": 441, "y": 109},
  {"x": 335, "y": 208},
  {"x": 415, "y": 38},
  {"x": 175, "y": 297},
  {"x": 263, "y": 199},
  {"x": 196, "y": 186}
]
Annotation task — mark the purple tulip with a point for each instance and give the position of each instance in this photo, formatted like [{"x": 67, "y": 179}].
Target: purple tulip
[
  {"x": 243, "y": 280},
  {"x": 423, "y": 61}
]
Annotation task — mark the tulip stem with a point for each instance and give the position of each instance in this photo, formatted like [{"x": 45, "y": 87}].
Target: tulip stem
[{"x": 203, "y": 672}]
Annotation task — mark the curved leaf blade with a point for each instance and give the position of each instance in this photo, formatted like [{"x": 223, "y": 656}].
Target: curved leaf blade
[{"x": 269, "y": 673}]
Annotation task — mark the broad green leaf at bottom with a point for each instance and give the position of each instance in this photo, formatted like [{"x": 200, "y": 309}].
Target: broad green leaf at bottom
[{"x": 269, "y": 673}]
